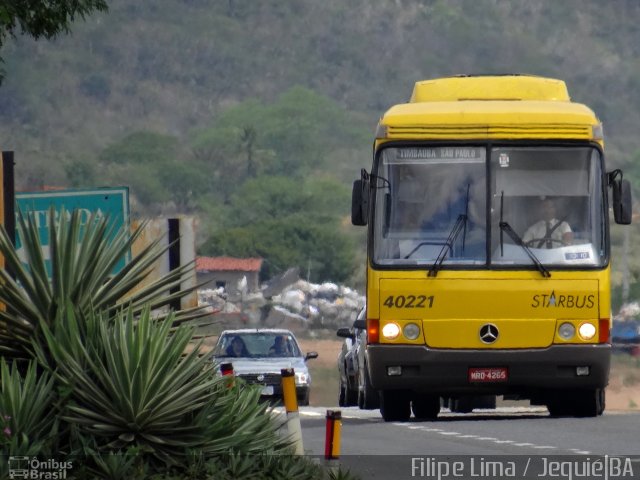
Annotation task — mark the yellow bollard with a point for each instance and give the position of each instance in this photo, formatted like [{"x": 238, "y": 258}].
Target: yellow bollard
[
  {"x": 291, "y": 406},
  {"x": 332, "y": 439}
]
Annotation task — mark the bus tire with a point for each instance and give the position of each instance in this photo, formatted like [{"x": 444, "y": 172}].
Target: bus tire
[
  {"x": 578, "y": 403},
  {"x": 426, "y": 407},
  {"x": 485, "y": 401},
  {"x": 590, "y": 403},
  {"x": 462, "y": 404},
  {"x": 395, "y": 406}
]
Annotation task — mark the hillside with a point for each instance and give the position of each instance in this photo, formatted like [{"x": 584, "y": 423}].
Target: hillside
[{"x": 223, "y": 92}]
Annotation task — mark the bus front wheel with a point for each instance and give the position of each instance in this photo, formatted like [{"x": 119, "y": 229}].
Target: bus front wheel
[
  {"x": 578, "y": 403},
  {"x": 395, "y": 406},
  {"x": 426, "y": 407}
]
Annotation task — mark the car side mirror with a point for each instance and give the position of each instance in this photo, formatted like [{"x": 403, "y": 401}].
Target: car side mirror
[
  {"x": 360, "y": 324},
  {"x": 344, "y": 332},
  {"x": 310, "y": 355}
]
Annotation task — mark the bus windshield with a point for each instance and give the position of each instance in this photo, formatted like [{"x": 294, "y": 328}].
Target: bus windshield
[{"x": 540, "y": 205}]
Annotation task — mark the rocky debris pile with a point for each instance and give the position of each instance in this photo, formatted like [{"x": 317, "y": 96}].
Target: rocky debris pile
[
  {"x": 628, "y": 311},
  {"x": 299, "y": 306}
]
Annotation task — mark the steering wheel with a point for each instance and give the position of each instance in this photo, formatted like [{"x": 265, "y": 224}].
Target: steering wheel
[{"x": 536, "y": 241}]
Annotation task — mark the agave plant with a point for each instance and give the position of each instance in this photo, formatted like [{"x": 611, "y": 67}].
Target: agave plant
[
  {"x": 132, "y": 387},
  {"x": 83, "y": 255},
  {"x": 26, "y": 401}
]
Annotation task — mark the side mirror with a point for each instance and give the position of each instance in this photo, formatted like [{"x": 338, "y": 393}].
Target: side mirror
[
  {"x": 344, "y": 332},
  {"x": 310, "y": 355},
  {"x": 360, "y": 324},
  {"x": 621, "y": 190},
  {"x": 360, "y": 202}
]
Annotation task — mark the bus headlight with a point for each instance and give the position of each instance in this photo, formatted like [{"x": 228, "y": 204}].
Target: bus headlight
[
  {"x": 411, "y": 331},
  {"x": 391, "y": 331},
  {"x": 566, "y": 331},
  {"x": 587, "y": 331}
]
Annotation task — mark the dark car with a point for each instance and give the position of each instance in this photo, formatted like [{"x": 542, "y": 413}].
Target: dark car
[
  {"x": 355, "y": 386},
  {"x": 258, "y": 356},
  {"x": 625, "y": 336}
]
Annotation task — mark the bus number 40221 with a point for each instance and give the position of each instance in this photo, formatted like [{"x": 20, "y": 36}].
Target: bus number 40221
[{"x": 409, "y": 301}]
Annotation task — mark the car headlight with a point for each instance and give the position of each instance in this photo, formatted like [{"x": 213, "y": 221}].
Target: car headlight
[{"x": 302, "y": 378}]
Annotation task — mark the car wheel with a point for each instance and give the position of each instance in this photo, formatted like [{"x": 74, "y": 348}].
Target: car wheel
[
  {"x": 351, "y": 397},
  {"x": 395, "y": 406},
  {"x": 304, "y": 400},
  {"x": 368, "y": 397},
  {"x": 342, "y": 395}
]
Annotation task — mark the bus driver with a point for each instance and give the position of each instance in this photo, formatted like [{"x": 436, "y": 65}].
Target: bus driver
[{"x": 549, "y": 232}]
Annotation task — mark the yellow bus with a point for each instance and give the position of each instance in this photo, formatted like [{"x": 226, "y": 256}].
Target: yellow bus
[{"x": 488, "y": 272}]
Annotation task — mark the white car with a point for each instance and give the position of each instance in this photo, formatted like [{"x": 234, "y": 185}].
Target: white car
[{"x": 258, "y": 356}]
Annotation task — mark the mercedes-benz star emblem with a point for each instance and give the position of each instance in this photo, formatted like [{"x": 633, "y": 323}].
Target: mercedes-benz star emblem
[
  {"x": 260, "y": 377},
  {"x": 488, "y": 333}
]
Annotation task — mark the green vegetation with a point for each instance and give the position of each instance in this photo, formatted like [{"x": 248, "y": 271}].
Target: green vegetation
[
  {"x": 191, "y": 102},
  {"x": 81, "y": 278},
  {"x": 90, "y": 374},
  {"x": 42, "y": 19}
]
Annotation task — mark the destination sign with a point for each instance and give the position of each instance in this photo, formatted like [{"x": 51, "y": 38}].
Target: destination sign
[{"x": 441, "y": 154}]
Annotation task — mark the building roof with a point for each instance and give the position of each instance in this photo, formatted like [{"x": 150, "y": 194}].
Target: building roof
[{"x": 218, "y": 264}]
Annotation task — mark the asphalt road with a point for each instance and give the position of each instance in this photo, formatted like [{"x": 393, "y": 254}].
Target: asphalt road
[{"x": 495, "y": 439}]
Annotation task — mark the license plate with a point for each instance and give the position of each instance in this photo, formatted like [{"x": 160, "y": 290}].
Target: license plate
[
  {"x": 267, "y": 390},
  {"x": 494, "y": 374}
]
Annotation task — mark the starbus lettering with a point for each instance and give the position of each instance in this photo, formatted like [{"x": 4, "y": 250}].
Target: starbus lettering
[{"x": 549, "y": 300}]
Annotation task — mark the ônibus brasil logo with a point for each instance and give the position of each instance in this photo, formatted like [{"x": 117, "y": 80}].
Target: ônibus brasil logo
[{"x": 33, "y": 468}]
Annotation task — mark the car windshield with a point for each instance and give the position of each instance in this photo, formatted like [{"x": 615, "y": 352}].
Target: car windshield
[{"x": 257, "y": 345}]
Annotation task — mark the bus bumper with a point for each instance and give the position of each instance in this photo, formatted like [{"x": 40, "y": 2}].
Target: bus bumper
[{"x": 448, "y": 371}]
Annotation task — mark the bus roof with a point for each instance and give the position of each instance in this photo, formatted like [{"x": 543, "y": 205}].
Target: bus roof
[
  {"x": 490, "y": 87},
  {"x": 505, "y": 107}
]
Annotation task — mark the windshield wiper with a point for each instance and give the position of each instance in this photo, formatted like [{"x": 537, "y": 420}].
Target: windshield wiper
[
  {"x": 461, "y": 223},
  {"x": 505, "y": 227}
]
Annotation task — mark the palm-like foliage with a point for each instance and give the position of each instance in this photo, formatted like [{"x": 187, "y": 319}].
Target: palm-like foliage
[
  {"x": 26, "y": 424},
  {"x": 132, "y": 387},
  {"x": 113, "y": 378},
  {"x": 83, "y": 255}
]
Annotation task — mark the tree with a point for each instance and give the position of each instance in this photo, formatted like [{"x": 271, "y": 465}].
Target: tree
[
  {"x": 38, "y": 18},
  {"x": 293, "y": 241},
  {"x": 153, "y": 166}
]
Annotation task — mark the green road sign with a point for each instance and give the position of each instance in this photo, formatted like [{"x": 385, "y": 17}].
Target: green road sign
[{"x": 111, "y": 202}]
